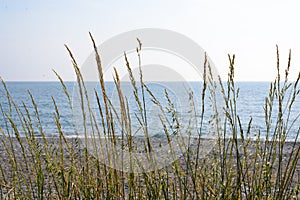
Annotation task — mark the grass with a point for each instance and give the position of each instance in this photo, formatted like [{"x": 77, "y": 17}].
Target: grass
[{"x": 238, "y": 167}]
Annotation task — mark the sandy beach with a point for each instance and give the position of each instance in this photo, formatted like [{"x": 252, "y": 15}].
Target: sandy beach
[{"x": 8, "y": 160}]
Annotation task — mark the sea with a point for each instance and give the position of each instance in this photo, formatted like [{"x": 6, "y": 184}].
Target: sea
[{"x": 173, "y": 104}]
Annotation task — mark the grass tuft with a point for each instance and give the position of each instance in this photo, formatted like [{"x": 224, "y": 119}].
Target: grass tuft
[{"x": 239, "y": 166}]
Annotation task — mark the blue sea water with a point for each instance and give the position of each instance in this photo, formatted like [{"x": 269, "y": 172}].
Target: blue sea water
[{"x": 250, "y": 103}]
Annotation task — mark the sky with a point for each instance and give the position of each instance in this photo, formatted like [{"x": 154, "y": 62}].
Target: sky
[{"x": 33, "y": 33}]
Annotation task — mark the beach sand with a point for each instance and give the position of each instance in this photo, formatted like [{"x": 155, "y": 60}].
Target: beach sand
[{"x": 7, "y": 165}]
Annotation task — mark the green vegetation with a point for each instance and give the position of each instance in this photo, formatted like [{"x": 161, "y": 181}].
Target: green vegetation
[{"x": 237, "y": 168}]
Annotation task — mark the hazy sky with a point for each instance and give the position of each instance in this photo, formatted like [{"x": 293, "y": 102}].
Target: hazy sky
[{"x": 32, "y": 33}]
